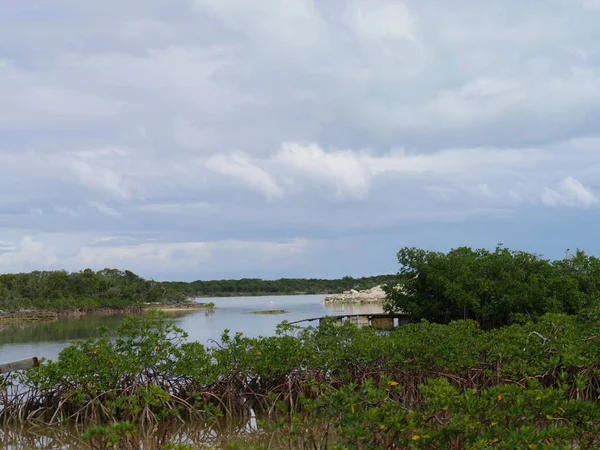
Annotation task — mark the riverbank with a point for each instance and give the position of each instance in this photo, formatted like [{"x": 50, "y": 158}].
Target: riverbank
[{"x": 47, "y": 315}]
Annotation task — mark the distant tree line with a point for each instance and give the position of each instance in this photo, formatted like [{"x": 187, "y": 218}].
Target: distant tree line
[
  {"x": 492, "y": 287},
  {"x": 283, "y": 286},
  {"x": 63, "y": 290},
  {"x": 119, "y": 288}
]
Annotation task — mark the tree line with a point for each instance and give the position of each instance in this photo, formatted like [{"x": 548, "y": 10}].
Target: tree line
[
  {"x": 283, "y": 286},
  {"x": 87, "y": 288},
  {"x": 492, "y": 287},
  {"x": 120, "y": 288}
]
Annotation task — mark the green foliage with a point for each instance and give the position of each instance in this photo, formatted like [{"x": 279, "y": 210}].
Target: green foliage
[
  {"x": 113, "y": 436},
  {"x": 255, "y": 286},
  {"x": 493, "y": 288},
  {"x": 369, "y": 415},
  {"x": 85, "y": 289},
  {"x": 424, "y": 385}
]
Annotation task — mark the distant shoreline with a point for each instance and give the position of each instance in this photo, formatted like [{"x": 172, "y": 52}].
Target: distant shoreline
[
  {"x": 256, "y": 287},
  {"x": 257, "y": 294},
  {"x": 48, "y": 315}
]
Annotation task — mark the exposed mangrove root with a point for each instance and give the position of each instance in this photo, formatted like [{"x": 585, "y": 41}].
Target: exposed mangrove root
[{"x": 149, "y": 375}]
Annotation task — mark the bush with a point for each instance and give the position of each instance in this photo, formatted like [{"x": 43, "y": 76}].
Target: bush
[{"x": 494, "y": 288}]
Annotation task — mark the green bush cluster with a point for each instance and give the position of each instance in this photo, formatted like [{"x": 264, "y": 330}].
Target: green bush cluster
[
  {"x": 368, "y": 416},
  {"x": 84, "y": 289},
  {"x": 494, "y": 288},
  {"x": 423, "y": 385}
]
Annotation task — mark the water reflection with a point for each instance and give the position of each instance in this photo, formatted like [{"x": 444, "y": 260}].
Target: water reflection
[{"x": 223, "y": 433}]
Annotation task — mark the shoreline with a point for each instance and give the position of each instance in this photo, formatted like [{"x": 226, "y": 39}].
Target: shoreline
[
  {"x": 255, "y": 294},
  {"x": 50, "y": 315}
]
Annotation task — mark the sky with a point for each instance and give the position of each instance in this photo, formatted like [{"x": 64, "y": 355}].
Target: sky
[{"x": 203, "y": 139}]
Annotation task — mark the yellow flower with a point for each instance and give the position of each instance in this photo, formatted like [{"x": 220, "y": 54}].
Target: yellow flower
[
  {"x": 382, "y": 427},
  {"x": 393, "y": 383},
  {"x": 499, "y": 397},
  {"x": 416, "y": 437}
]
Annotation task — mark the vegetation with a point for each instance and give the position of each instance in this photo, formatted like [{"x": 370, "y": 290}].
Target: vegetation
[
  {"x": 424, "y": 385},
  {"x": 492, "y": 287},
  {"x": 85, "y": 289},
  {"x": 503, "y": 354},
  {"x": 284, "y": 286},
  {"x": 112, "y": 288}
]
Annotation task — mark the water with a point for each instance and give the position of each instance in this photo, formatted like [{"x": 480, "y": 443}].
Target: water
[{"x": 47, "y": 339}]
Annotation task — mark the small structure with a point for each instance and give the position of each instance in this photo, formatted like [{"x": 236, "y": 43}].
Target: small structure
[
  {"x": 22, "y": 364},
  {"x": 379, "y": 321},
  {"x": 359, "y": 321},
  {"x": 383, "y": 323}
]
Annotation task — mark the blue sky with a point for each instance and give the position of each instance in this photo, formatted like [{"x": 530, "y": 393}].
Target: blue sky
[{"x": 187, "y": 139}]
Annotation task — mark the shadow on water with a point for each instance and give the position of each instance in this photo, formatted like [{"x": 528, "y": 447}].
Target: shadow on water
[{"x": 71, "y": 328}]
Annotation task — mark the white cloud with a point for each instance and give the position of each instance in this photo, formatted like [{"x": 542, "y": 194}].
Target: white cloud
[
  {"x": 351, "y": 172},
  {"x": 26, "y": 255},
  {"x": 593, "y": 5},
  {"x": 344, "y": 169},
  {"x": 294, "y": 23},
  {"x": 101, "y": 252},
  {"x": 380, "y": 20},
  {"x": 175, "y": 208},
  {"x": 189, "y": 136},
  {"x": 71, "y": 212},
  {"x": 105, "y": 209},
  {"x": 37, "y": 103},
  {"x": 238, "y": 166},
  {"x": 570, "y": 192},
  {"x": 102, "y": 178}
]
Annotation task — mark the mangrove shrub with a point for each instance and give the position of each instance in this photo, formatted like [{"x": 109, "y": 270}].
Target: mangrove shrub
[{"x": 492, "y": 287}]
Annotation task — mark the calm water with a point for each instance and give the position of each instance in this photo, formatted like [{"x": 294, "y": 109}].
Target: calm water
[{"x": 48, "y": 339}]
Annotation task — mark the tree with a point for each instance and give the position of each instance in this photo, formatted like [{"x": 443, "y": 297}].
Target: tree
[{"x": 493, "y": 288}]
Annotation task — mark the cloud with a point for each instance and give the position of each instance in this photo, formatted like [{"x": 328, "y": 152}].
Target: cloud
[
  {"x": 27, "y": 255},
  {"x": 239, "y": 167},
  {"x": 151, "y": 256},
  {"x": 293, "y": 23},
  {"x": 211, "y": 131},
  {"x": 570, "y": 192},
  {"x": 175, "y": 208},
  {"x": 593, "y": 5},
  {"x": 105, "y": 209},
  {"x": 380, "y": 20},
  {"x": 31, "y": 102},
  {"x": 351, "y": 172},
  {"x": 343, "y": 169}
]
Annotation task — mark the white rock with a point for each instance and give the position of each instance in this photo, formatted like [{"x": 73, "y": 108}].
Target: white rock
[{"x": 373, "y": 295}]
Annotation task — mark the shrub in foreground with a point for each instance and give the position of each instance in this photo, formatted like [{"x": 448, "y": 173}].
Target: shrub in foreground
[{"x": 427, "y": 385}]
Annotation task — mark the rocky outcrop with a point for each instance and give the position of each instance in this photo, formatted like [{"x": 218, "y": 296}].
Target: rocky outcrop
[{"x": 373, "y": 295}]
